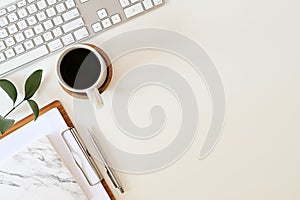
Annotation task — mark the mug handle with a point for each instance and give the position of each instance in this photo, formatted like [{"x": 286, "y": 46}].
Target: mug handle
[{"x": 95, "y": 97}]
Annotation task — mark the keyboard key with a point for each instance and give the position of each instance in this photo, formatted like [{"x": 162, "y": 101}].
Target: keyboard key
[
  {"x": 102, "y": 13},
  {"x": 9, "y": 53},
  {"x": 106, "y": 23},
  {"x": 116, "y": 18},
  {"x": 157, "y": 2},
  {"x": 41, "y": 16},
  {"x": 30, "y": 1},
  {"x": 19, "y": 49},
  {"x": 22, "y": 24},
  {"x": 133, "y": 10},
  {"x": 55, "y": 45},
  {"x": 70, "y": 4},
  {"x": 71, "y": 14},
  {"x": 32, "y": 9},
  {"x": 68, "y": 39},
  {"x": 73, "y": 25},
  {"x": 124, "y": 3},
  {"x": 21, "y": 3},
  {"x": 22, "y": 13},
  {"x": 12, "y": 17},
  {"x": 96, "y": 27},
  {"x": 41, "y": 4},
  {"x": 2, "y": 57},
  {"x": 3, "y": 12},
  {"x": 47, "y": 36},
  {"x": 11, "y": 8},
  {"x": 31, "y": 20},
  {"x": 29, "y": 33},
  {"x": 50, "y": 12},
  {"x": 10, "y": 42},
  {"x": 148, "y": 4},
  {"x": 38, "y": 29},
  {"x": 2, "y": 45},
  {"x": 12, "y": 29},
  {"x": 60, "y": 8},
  {"x": 81, "y": 33},
  {"x": 28, "y": 44},
  {"x": 3, "y": 33},
  {"x": 57, "y": 20},
  {"x": 57, "y": 32},
  {"x": 48, "y": 24},
  {"x": 51, "y": 2},
  {"x": 134, "y": 1},
  {"x": 19, "y": 37},
  {"x": 3, "y": 21},
  {"x": 38, "y": 40}
]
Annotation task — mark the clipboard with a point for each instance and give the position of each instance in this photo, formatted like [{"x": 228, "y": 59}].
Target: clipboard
[{"x": 57, "y": 105}]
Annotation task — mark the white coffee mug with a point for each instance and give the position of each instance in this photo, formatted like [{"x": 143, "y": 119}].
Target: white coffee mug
[{"x": 82, "y": 69}]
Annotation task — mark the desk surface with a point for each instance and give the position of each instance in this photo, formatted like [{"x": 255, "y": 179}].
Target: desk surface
[{"x": 255, "y": 45}]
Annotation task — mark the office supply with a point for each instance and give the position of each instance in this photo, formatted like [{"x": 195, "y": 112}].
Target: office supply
[
  {"x": 26, "y": 131},
  {"x": 31, "y": 29},
  {"x": 109, "y": 171}
]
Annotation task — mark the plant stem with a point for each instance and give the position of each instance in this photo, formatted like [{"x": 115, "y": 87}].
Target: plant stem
[{"x": 14, "y": 108}]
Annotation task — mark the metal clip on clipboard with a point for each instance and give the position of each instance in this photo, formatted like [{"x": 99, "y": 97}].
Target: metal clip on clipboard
[{"x": 81, "y": 156}]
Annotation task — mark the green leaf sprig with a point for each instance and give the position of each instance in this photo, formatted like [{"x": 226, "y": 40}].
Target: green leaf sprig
[{"x": 31, "y": 86}]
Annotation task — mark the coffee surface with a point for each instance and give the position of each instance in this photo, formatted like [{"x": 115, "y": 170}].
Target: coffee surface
[{"x": 80, "y": 68}]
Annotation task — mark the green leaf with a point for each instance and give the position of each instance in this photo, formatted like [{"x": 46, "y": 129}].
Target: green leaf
[
  {"x": 10, "y": 89},
  {"x": 34, "y": 107},
  {"x": 32, "y": 84},
  {"x": 5, "y": 124}
]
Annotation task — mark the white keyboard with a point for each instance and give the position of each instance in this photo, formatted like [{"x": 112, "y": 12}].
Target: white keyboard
[{"x": 31, "y": 29}]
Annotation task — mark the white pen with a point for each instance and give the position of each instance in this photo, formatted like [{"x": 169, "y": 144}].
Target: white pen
[{"x": 109, "y": 171}]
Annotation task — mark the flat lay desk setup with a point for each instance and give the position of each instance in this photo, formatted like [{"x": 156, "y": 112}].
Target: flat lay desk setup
[{"x": 253, "y": 45}]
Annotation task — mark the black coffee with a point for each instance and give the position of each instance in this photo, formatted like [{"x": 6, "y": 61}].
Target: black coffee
[{"x": 80, "y": 68}]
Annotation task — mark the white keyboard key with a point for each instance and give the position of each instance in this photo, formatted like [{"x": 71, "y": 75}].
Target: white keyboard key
[
  {"x": 28, "y": 44},
  {"x": 58, "y": 20},
  {"x": 96, "y": 27},
  {"x": 24, "y": 58},
  {"x": 29, "y": 33},
  {"x": 124, "y": 3},
  {"x": 3, "y": 33},
  {"x": 31, "y": 20},
  {"x": 12, "y": 29},
  {"x": 22, "y": 25},
  {"x": 81, "y": 33},
  {"x": 9, "y": 53},
  {"x": 3, "y": 12},
  {"x": 2, "y": 45},
  {"x": 72, "y": 25},
  {"x": 47, "y": 36},
  {"x": 3, "y": 22},
  {"x": 12, "y": 17},
  {"x": 30, "y": 1},
  {"x": 48, "y": 24},
  {"x": 148, "y": 4},
  {"x": 41, "y": 4},
  {"x": 21, "y": 3},
  {"x": 38, "y": 40},
  {"x": 134, "y": 1},
  {"x": 10, "y": 42},
  {"x": 57, "y": 32},
  {"x": 102, "y": 13},
  {"x": 50, "y": 12},
  {"x": 116, "y": 18},
  {"x": 71, "y": 14},
  {"x": 68, "y": 39},
  {"x": 106, "y": 23},
  {"x": 32, "y": 9},
  {"x": 19, "y": 37},
  {"x": 38, "y": 29},
  {"x": 19, "y": 49},
  {"x": 11, "y": 8},
  {"x": 51, "y": 2},
  {"x": 41, "y": 16},
  {"x": 2, "y": 57},
  {"x": 22, "y": 13},
  {"x": 157, "y": 2},
  {"x": 60, "y": 8},
  {"x": 70, "y": 3},
  {"x": 133, "y": 10},
  {"x": 55, "y": 45}
]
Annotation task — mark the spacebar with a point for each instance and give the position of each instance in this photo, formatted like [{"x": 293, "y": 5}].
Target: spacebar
[{"x": 23, "y": 59}]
